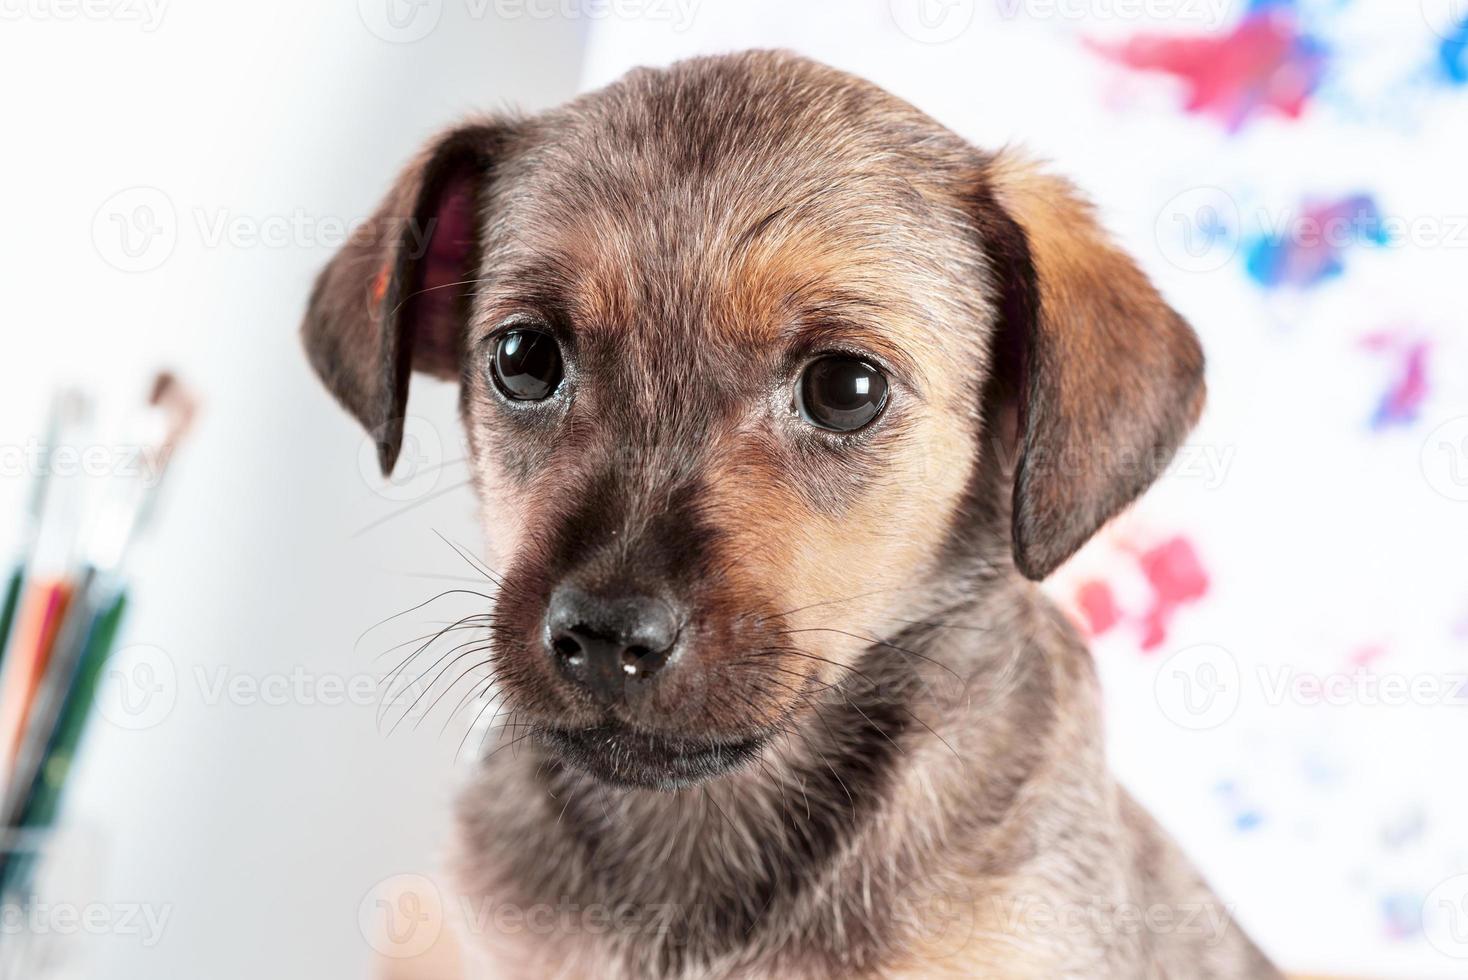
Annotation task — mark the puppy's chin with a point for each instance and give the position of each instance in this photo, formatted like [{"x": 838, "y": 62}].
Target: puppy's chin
[{"x": 624, "y": 757}]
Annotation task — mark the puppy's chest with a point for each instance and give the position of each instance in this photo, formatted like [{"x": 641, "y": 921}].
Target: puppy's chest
[
  {"x": 800, "y": 949},
  {"x": 833, "y": 928}
]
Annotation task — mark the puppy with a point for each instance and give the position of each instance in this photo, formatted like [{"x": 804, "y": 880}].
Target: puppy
[{"x": 780, "y": 397}]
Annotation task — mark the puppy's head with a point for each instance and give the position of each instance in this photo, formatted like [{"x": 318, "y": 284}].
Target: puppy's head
[{"x": 738, "y": 343}]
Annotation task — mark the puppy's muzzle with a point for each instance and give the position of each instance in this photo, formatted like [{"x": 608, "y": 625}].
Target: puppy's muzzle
[{"x": 609, "y": 644}]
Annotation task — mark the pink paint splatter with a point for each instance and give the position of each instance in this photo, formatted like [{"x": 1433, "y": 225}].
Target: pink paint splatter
[
  {"x": 1097, "y": 604},
  {"x": 1177, "y": 578},
  {"x": 1367, "y": 655},
  {"x": 1402, "y": 401},
  {"x": 1311, "y": 250},
  {"x": 1266, "y": 63}
]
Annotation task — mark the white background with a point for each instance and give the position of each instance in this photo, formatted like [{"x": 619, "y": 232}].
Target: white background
[{"x": 260, "y": 828}]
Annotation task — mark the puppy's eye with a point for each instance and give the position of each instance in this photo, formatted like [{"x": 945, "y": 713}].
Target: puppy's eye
[
  {"x": 526, "y": 365},
  {"x": 841, "y": 393}
]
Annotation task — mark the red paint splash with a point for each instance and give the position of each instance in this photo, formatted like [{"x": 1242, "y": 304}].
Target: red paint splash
[
  {"x": 1266, "y": 63},
  {"x": 1177, "y": 578},
  {"x": 1098, "y": 605}
]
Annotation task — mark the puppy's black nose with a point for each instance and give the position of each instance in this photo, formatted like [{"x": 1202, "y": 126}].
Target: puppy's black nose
[{"x": 600, "y": 642}]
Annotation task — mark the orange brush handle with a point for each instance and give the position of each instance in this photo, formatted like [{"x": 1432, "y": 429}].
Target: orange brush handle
[{"x": 39, "y": 618}]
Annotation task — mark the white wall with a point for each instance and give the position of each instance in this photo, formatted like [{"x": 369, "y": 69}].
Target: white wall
[{"x": 257, "y": 828}]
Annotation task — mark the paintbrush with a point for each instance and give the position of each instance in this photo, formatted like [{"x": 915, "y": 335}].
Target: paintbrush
[{"x": 85, "y": 640}]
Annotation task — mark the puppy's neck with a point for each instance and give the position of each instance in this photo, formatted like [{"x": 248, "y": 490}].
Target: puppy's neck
[{"x": 814, "y": 844}]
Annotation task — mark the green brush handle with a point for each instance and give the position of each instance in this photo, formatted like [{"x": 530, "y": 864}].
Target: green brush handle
[
  {"x": 44, "y": 799},
  {"x": 7, "y": 612}
]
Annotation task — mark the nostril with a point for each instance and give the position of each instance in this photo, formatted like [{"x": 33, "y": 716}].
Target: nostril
[
  {"x": 635, "y": 660},
  {"x": 642, "y": 661},
  {"x": 567, "y": 647}
]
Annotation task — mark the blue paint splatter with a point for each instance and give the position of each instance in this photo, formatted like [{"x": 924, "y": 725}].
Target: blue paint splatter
[
  {"x": 1311, "y": 251},
  {"x": 1244, "y": 817},
  {"x": 1452, "y": 55},
  {"x": 1402, "y": 914},
  {"x": 1323, "y": 6}
]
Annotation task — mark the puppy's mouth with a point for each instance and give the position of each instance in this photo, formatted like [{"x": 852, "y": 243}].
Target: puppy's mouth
[{"x": 625, "y": 757}]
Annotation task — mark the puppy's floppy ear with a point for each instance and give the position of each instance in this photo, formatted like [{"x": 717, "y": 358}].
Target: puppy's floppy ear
[
  {"x": 1098, "y": 378},
  {"x": 393, "y": 298}
]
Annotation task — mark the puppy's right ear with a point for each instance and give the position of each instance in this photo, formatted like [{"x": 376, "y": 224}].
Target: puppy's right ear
[{"x": 393, "y": 299}]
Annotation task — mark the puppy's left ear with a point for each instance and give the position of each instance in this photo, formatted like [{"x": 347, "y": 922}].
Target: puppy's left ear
[
  {"x": 393, "y": 299},
  {"x": 1097, "y": 378}
]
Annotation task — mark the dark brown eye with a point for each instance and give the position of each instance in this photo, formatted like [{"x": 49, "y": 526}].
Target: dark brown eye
[
  {"x": 841, "y": 393},
  {"x": 526, "y": 365}
]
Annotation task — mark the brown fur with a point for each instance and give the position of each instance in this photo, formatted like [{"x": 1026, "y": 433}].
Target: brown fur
[{"x": 929, "y": 794}]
